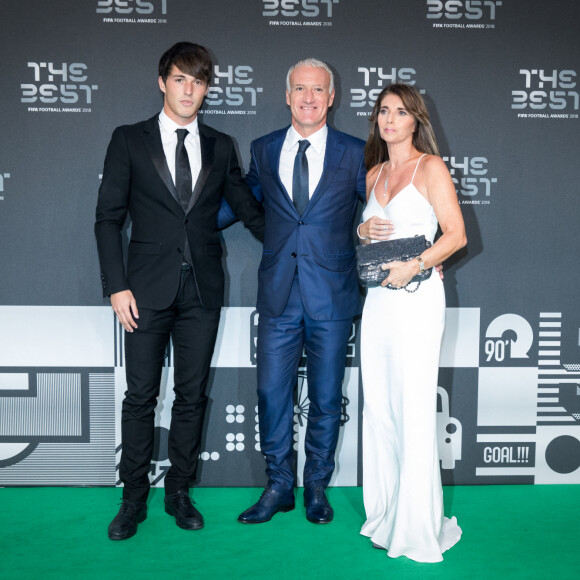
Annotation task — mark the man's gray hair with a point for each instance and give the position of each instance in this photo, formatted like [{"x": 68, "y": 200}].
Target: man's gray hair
[{"x": 314, "y": 63}]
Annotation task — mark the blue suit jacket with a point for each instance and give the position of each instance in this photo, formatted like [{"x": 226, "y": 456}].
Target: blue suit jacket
[{"x": 320, "y": 242}]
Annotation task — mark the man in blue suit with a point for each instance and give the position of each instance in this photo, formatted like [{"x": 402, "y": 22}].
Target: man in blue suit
[{"x": 310, "y": 178}]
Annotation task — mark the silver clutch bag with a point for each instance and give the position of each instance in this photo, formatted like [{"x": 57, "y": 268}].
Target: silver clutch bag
[{"x": 371, "y": 257}]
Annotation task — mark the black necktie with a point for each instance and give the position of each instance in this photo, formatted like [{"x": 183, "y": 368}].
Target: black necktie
[
  {"x": 300, "y": 194},
  {"x": 183, "y": 182}
]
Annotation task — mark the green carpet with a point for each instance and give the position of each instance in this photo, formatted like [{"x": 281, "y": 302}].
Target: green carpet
[{"x": 527, "y": 532}]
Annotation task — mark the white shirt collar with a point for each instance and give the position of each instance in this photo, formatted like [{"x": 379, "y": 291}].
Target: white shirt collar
[
  {"x": 171, "y": 126},
  {"x": 317, "y": 140}
]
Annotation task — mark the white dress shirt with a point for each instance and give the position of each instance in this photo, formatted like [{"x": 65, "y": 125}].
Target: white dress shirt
[
  {"x": 192, "y": 145},
  {"x": 314, "y": 154}
]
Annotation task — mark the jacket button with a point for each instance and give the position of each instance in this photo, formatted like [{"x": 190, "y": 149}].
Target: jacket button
[
  {"x": 186, "y": 221},
  {"x": 293, "y": 254},
  {"x": 179, "y": 251}
]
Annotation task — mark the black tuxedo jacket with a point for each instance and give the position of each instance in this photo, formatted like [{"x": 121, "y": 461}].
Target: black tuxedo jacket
[{"x": 136, "y": 180}]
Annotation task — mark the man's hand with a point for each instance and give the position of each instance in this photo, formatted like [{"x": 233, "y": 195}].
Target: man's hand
[{"x": 125, "y": 308}]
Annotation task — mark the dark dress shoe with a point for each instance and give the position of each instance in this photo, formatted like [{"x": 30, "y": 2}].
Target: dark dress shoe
[
  {"x": 179, "y": 505},
  {"x": 270, "y": 502},
  {"x": 124, "y": 525},
  {"x": 318, "y": 510}
]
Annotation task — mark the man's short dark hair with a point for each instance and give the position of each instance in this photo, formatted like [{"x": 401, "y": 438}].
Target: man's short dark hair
[{"x": 189, "y": 58}]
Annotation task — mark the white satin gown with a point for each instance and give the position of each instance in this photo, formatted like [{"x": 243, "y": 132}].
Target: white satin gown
[{"x": 400, "y": 344}]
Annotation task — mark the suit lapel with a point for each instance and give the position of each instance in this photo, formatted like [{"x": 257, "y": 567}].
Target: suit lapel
[
  {"x": 332, "y": 158},
  {"x": 274, "y": 151},
  {"x": 207, "y": 144},
  {"x": 152, "y": 139}
]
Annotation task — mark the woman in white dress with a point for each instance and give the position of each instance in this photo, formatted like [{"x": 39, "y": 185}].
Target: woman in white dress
[{"x": 409, "y": 192}]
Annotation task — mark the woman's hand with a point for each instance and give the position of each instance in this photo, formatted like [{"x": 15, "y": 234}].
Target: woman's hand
[
  {"x": 376, "y": 228},
  {"x": 400, "y": 273}
]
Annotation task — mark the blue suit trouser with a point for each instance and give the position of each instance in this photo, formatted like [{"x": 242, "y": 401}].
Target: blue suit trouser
[{"x": 279, "y": 351}]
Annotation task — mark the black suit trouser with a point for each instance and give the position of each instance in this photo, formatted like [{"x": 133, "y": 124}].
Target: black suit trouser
[{"x": 193, "y": 331}]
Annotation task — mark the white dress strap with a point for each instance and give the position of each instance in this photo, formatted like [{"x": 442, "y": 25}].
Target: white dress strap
[
  {"x": 418, "y": 161},
  {"x": 380, "y": 171}
]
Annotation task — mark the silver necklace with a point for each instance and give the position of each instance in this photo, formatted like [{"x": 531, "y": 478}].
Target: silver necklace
[{"x": 387, "y": 176}]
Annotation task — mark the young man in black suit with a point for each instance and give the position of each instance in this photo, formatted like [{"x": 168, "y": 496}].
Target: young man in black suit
[{"x": 169, "y": 174}]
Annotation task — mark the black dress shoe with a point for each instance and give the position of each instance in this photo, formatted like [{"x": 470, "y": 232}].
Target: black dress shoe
[
  {"x": 270, "y": 502},
  {"x": 186, "y": 516},
  {"x": 318, "y": 510},
  {"x": 124, "y": 525}
]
